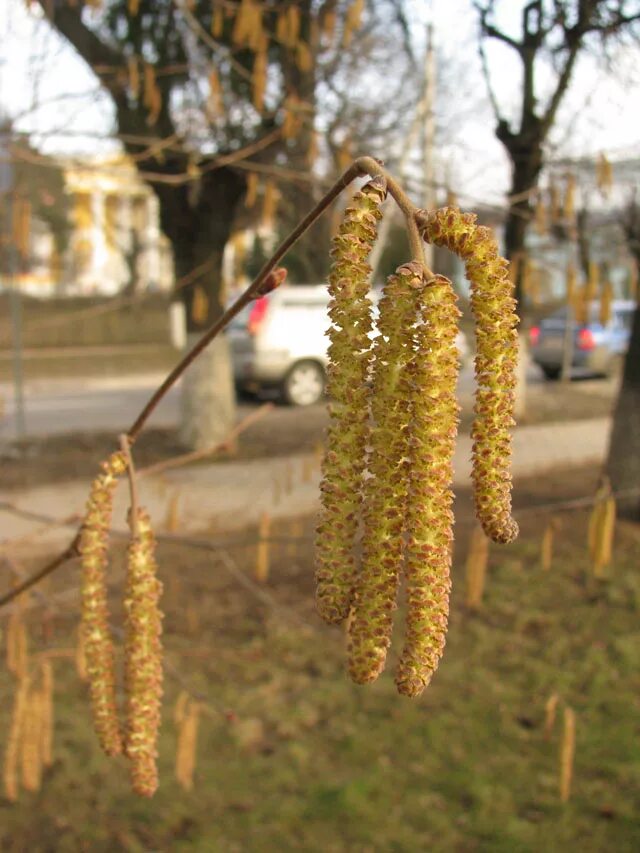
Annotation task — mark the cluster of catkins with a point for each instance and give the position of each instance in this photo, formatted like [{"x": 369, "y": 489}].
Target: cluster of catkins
[
  {"x": 393, "y": 423},
  {"x": 143, "y": 627}
]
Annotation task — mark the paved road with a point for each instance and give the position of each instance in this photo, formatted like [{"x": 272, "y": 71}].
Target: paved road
[{"x": 114, "y": 408}]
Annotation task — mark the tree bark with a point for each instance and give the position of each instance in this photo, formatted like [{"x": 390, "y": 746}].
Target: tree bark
[
  {"x": 199, "y": 226},
  {"x": 623, "y": 461}
]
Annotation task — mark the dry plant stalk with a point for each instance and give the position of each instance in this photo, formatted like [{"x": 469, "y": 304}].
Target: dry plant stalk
[
  {"x": 172, "y": 520},
  {"x": 567, "y": 754},
  {"x": 187, "y": 719},
  {"x": 476, "y": 568},
  {"x": 263, "y": 549},
  {"x": 31, "y": 741},
  {"x": 143, "y": 656},
  {"x": 14, "y": 740},
  {"x": 550, "y": 709},
  {"x": 601, "y": 531},
  {"x": 95, "y": 614},
  {"x": 546, "y": 548}
]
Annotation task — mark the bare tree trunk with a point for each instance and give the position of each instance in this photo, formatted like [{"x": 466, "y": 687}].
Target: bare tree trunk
[
  {"x": 199, "y": 226},
  {"x": 623, "y": 462}
]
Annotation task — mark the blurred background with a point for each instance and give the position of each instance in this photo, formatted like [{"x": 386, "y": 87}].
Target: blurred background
[{"x": 152, "y": 156}]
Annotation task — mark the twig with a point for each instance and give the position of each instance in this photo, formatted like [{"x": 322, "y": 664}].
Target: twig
[
  {"x": 125, "y": 446},
  {"x": 197, "y": 455}
]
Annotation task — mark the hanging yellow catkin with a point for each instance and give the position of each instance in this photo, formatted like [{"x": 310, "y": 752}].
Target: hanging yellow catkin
[
  {"x": 606, "y": 300},
  {"x": 252, "y": 189},
  {"x": 263, "y": 549},
  {"x": 14, "y": 740},
  {"x": 143, "y": 657},
  {"x": 476, "y": 568},
  {"x": 386, "y": 491},
  {"x": 242, "y": 23},
  {"x": 329, "y": 21},
  {"x": 214, "y": 102},
  {"x": 133, "y": 73},
  {"x": 604, "y": 175},
  {"x": 31, "y": 743},
  {"x": 17, "y": 642},
  {"x": 430, "y": 388},
  {"x": 199, "y": 306},
  {"x": 217, "y": 19},
  {"x": 186, "y": 750},
  {"x": 343, "y": 464},
  {"x": 21, "y": 226},
  {"x": 493, "y": 307},
  {"x": 546, "y": 547},
  {"x": 569, "y": 205},
  {"x": 352, "y": 21},
  {"x": 259, "y": 79},
  {"x": 133, "y": 7},
  {"x": 567, "y": 754},
  {"x": 550, "y": 709},
  {"x": 304, "y": 58},
  {"x": 172, "y": 518},
  {"x": 95, "y": 615},
  {"x": 269, "y": 203}
]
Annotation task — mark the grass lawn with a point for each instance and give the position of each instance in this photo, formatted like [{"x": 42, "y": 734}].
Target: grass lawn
[{"x": 291, "y": 756}]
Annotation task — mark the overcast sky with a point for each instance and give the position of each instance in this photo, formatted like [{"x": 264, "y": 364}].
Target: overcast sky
[{"x": 600, "y": 113}]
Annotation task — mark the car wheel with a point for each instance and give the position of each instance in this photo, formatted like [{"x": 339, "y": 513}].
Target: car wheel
[
  {"x": 551, "y": 373},
  {"x": 304, "y": 384}
]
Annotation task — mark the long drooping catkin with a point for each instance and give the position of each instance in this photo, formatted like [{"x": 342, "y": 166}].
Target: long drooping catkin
[
  {"x": 496, "y": 342},
  {"x": 350, "y": 358},
  {"x": 98, "y": 645},
  {"x": 143, "y": 658},
  {"x": 386, "y": 490},
  {"x": 430, "y": 381}
]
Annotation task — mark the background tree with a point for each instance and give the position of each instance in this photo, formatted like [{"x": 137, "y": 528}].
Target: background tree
[
  {"x": 623, "y": 462},
  {"x": 552, "y": 37},
  {"x": 206, "y": 94}
]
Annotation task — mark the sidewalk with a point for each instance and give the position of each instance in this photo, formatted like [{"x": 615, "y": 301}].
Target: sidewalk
[{"x": 230, "y": 495}]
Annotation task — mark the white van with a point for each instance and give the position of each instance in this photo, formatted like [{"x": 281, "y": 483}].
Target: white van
[{"x": 279, "y": 341}]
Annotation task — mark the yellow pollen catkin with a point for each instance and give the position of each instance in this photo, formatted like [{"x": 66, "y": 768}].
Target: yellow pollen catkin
[
  {"x": 343, "y": 464},
  {"x": 143, "y": 657},
  {"x": 493, "y": 307},
  {"x": 98, "y": 645},
  {"x": 476, "y": 568},
  {"x": 186, "y": 750},
  {"x": 430, "y": 387},
  {"x": 386, "y": 491}
]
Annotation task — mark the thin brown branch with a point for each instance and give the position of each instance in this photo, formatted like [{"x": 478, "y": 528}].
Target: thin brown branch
[{"x": 197, "y": 455}]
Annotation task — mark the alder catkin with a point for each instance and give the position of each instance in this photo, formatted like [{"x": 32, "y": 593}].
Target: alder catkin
[
  {"x": 493, "y": 307},
  {"x": 98, "y": 646},
  {"x": 386, "y": 490},
  {"x": 349, "y": 364},
  {"x": 14, "y": 740},
  {"x": 143, "y": 657},
  {"x": 431, "y": 392}
]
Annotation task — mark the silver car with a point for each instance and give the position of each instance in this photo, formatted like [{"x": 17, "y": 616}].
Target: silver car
[
  {"x": 279, "y": 341},
  {"x": 596, "y": 349}
]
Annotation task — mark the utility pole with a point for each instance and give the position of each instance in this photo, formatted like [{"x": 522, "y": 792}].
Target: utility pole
[{"x": 428, "y": 139}]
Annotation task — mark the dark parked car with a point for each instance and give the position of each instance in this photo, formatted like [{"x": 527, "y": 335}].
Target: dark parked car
[{"x": 597, "y": 349}]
